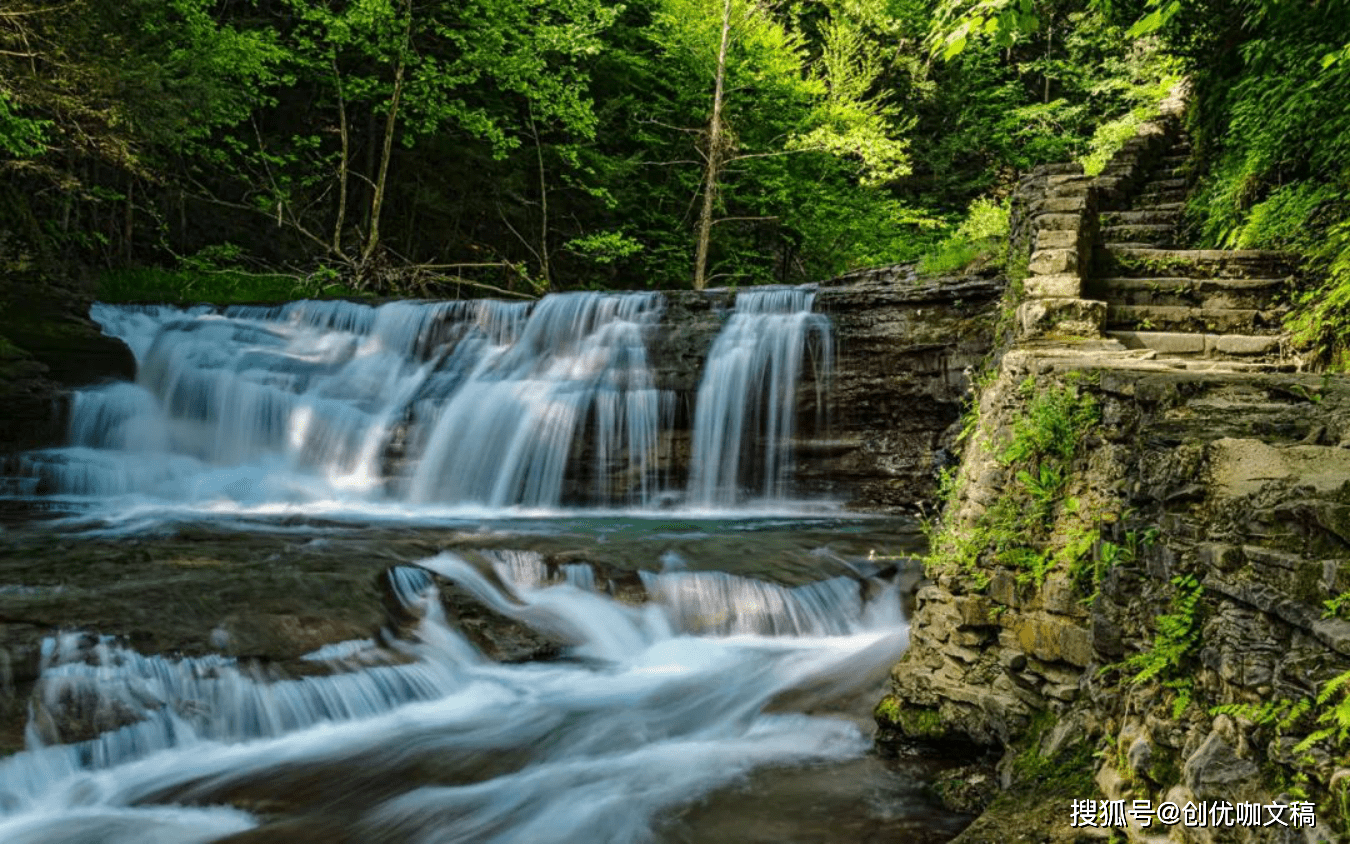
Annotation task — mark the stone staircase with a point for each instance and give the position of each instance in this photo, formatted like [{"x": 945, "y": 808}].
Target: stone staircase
[
  {"x": 1206, "y": 309},
  {"x": 1234, "y": 468}
]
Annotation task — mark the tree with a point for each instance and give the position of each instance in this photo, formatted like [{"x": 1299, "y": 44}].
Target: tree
[
  {"x": 713, "y": 153},
  {"x": 772, "y": 98}
]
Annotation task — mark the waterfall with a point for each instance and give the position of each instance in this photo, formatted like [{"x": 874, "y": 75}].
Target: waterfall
[
  {"x": 506, "y": 435},
  {"x": 339, "y": 405},
  {"x": 747, "y": 401}
]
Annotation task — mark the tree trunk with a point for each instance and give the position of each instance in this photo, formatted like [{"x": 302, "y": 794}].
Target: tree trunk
[
  {"x": 543, "y": 206},
  {"x": 390, "y": 126},
  {"x": 714, "y": 156},
  {"x": 343, "y": 165},
  {"x": 1049, "y": 43}
]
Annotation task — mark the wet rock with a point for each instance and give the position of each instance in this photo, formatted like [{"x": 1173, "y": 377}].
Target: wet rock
[
  {"x": 496, "y": 636},
  {"x": 47, "y": 345},
  {"x": 1216, "y": 772}
]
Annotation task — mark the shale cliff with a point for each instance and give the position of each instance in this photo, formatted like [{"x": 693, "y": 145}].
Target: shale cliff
[
  {"x": 905, "y": 348},
  {"x": 1140, "y": 584}
]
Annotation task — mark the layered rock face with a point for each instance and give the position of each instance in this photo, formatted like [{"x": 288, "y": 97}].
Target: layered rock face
[
  {"x": 1141, "y": 581},
  {"x": 47, "y": 345},
  {"x": 904, "y": 350},
  {"x": 1224, "y": 502}
]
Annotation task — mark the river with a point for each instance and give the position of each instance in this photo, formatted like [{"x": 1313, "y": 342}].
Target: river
[{"x": 717, "y": 641}]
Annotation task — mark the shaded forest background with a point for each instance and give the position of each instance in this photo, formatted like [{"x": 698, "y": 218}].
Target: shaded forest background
[{"x": 216, "y": 149}]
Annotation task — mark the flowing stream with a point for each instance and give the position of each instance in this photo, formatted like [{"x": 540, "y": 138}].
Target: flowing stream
[
  {"x": 717, "y": 643},
  {"x": 655, "y": 708}
]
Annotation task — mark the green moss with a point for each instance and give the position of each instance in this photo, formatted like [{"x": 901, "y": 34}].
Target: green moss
[
  {"x": 921, "y": 723},
  {"x": 1164, "y": 770},
  {"x": 913, "y": 722},
  {"x": 888, "y": 709},
  {"x": 1070, "y": 772}
]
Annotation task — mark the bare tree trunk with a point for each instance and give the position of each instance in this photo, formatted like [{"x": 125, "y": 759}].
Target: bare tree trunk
[
  {"x": 343, "y": 165},
  {"x": 1049, "y": 42},
  {"x": 543, "y": 206},
  {"x": 369, "y": 180},
  {"x": 714, "y": 156},
  {"x": 390, "y": 125}
]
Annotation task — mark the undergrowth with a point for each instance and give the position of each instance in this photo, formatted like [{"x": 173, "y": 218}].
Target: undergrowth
[
  {"x": 182, "y": 287},
  {"x": 981, "y": 239},
  {"x": 1176, "y": 635},
  {"x": 1275, "y": 129},
  {"x": 1024, "y": 529}
]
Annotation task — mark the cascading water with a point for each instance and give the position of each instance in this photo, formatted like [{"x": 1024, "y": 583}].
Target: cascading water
[
  {"x": 506, "y": 435},
  {"x": 675, "y": 691},
  {"x": 487, "y": 404},
  {"x": 746, "y": 414},
  {"x": 462, "y": 749}
]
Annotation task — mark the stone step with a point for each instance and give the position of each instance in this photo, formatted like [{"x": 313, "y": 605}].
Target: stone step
[
  {"x": 1174, "y": 160},
  {"x": 1249, "y": 293},
  {"x": 1190, "y": 319},
  {"x": 1157, "y": 207},
  {"x": 1120, "y": 260},
  {"x": 1151, "y": 197},
  {"x": 1181, "y": 344},
  {"x": 1131, "y": 244},
  {"x": 1141, "y": 217},
  {"x": 1221, "y": 365},
  {"x": 1157, "y": 234},
  {"x": 1166, "y": 183}
]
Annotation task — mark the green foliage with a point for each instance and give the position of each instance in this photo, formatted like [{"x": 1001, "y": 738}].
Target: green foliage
[
  {"x": 1055, "y": 422},
  {"x": 1272, "y": 117},
  {"x": 1322, "y": 318},
  {"x": 20, "y": 137},
  {"x": 980, "y": 239},
  {"x": 605, "y": 247},
  {"x": 958, "y": 22},
  {"x": 1278, "y": 714},
  {"x": 1337, "y": 607},
  {"x": 1176, "y": 634},
  {"x": 1033, "y": 527},
  {"x": 1333, "y": 703},
  {"x": 1107, "y": 140},
  {"x": 563, "y": 139}
]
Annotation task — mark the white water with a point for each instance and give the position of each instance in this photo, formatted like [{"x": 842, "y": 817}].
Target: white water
[
  {"x": 433, "y": 408},
  {"x": 749, "y": 395},
  {"x": 670, "y": 701}
]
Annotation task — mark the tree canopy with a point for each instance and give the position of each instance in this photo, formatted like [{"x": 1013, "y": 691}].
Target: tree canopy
[{"x": 523, "y": 145}]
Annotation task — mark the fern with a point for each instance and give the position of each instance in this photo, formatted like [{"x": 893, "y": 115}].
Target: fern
[
  {"x": 1336, "y": 717},
  {"x": 1176, "y": 635}
]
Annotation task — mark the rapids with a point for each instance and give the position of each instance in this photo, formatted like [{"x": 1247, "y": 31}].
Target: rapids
[
  {"x": 712, "y": 644},
  {"x": 653, "y": 708}
]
